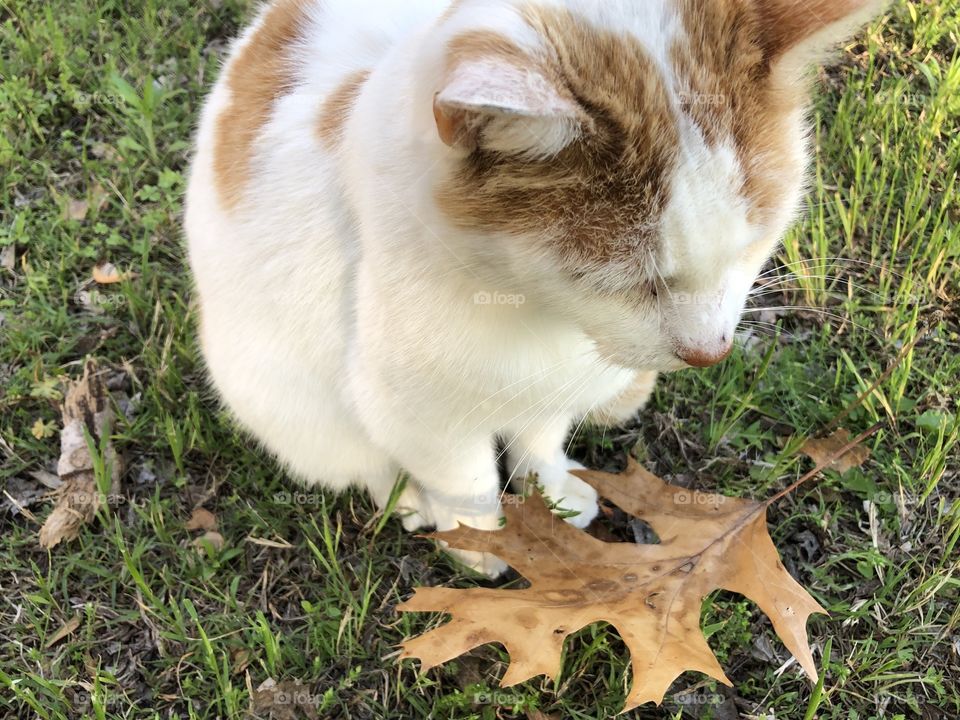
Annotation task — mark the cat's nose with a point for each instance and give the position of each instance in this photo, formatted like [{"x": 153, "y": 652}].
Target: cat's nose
[{"x": 700, "y": 357}]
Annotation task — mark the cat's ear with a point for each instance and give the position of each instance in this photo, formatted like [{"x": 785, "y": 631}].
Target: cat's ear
[
  {"x": 504, "y": 107},
  {"x": 797, "y": 33}
]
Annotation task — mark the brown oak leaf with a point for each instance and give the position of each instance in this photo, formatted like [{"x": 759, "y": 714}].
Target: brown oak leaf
[
  {"x": 820, "y": 450},
  {"x": 651, "y": 594}
]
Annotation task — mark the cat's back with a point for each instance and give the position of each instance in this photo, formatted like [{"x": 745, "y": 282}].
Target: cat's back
[
  {"x": 266, "y": 219},
  {"x": 284, "y": 93}
]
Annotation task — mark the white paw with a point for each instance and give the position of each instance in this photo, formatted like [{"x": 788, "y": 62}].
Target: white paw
[
  {"x": 413, "y": 509},
  {"x": 483, "y": 563},
  {"x": 569, "y": 493},
  {"x": 450, "y": 517},
  {"x": 576, "y": 496}
]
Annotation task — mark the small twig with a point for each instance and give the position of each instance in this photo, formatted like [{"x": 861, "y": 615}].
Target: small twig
[
  {"x": 827, "y": 463},
  {"x": 22, "y": 509}
]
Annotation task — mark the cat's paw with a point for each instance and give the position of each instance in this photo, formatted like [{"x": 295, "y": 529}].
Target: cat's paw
[
  {"x": 568, "y": 492},
  {"x": 483, "y": 563},
  {"x": 414, "y": 509},
  {"x": 574, "y": 495},
  {"x": 450, "y": 518}
]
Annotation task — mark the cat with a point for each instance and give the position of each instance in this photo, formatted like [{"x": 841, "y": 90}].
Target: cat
[{"x": 420, "y": 228}]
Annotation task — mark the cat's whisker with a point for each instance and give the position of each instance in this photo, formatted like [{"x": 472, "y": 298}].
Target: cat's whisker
[
  {"x": 537, "y": 378},
  {"x": 769, "y": 329},
  {"x": 779, "y": 291},
  {"x": 534, "y": 377},
  {"x": 830, "y": 280},
  {"x": 764, "y": 281},
  {"x": 546, "y": 402},
  {"x": 824, "y": 313},
  {"x": 579, "y": 426},
  {"x": 583, "y": 379},
  {"x": 779, "y": 285},
  {"x": 831, "y": 262},
  {"x": 575, "y": 431}
]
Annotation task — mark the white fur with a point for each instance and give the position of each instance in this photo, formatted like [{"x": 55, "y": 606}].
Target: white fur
[{"x": 344, "y": 320}]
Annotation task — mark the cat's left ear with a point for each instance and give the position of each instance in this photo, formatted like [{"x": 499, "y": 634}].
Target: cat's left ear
[{"x": 505, "y": 107}]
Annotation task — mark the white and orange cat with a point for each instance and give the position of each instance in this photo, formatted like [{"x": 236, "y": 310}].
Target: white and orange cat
[{"x": 421, "y": 227}]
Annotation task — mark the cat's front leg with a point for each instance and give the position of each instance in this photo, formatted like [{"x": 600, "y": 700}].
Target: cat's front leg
[
  {"x": 457, "y": 482},
  {"x": 537, "y": 452},
  {"x": 625, "y": 406}
]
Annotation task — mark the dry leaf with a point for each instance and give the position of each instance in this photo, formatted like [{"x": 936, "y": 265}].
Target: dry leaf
[
  {"x": 99, "y": 196},
  {"x": 86, "y": 407},
  {"x": 42, "y": 430},
  {"x": 202, "y": 519},
  {"x": 652, "y": 594},
  {"x": 8, "y": 257},
  {"x": 69, "y": 627},
  {"x": 211, "y": 538},
  {"x": 19, "y": 495},
  {"x": 239, "y": 660},
  {"x": 106, "y": 273},
  {"x": 77, "y": 209},
  {"x": 820, "y": 450},
  {"x": 540, "y": 715},
  {"x": 287, "y": 700}
]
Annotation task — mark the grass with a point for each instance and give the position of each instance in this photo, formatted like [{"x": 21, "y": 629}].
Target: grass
[{"x": 97, "y": 105}]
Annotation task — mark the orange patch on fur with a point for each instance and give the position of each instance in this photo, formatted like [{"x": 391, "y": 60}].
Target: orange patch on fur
[
  {"x": 450, "y": 11},
  {"x": 336, "y": 109},
  {"x": 259, "y": 75},
  {"x": 486, "y": 44},
  {"x": 598, "y": 199},
  {"x": 788, "y": 22},
  {"x": 727, "y": 89}
]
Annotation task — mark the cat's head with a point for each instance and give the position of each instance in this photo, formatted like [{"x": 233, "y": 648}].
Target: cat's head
[{"x": 630, "y": 163}]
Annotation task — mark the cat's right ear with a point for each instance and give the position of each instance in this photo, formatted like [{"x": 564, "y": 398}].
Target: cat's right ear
[{"x": 504, "y": 107}]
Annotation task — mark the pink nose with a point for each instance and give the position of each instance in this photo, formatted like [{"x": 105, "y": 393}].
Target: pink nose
[{"x": 700, "y": 358}]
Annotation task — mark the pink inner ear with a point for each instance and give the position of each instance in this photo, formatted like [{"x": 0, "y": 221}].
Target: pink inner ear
[
  {"x": 789, "y": 22},
  {"x": 451, "y": 124}
]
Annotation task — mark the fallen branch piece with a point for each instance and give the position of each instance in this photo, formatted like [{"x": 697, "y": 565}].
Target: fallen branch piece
[{"x": 86, "y": 407}]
